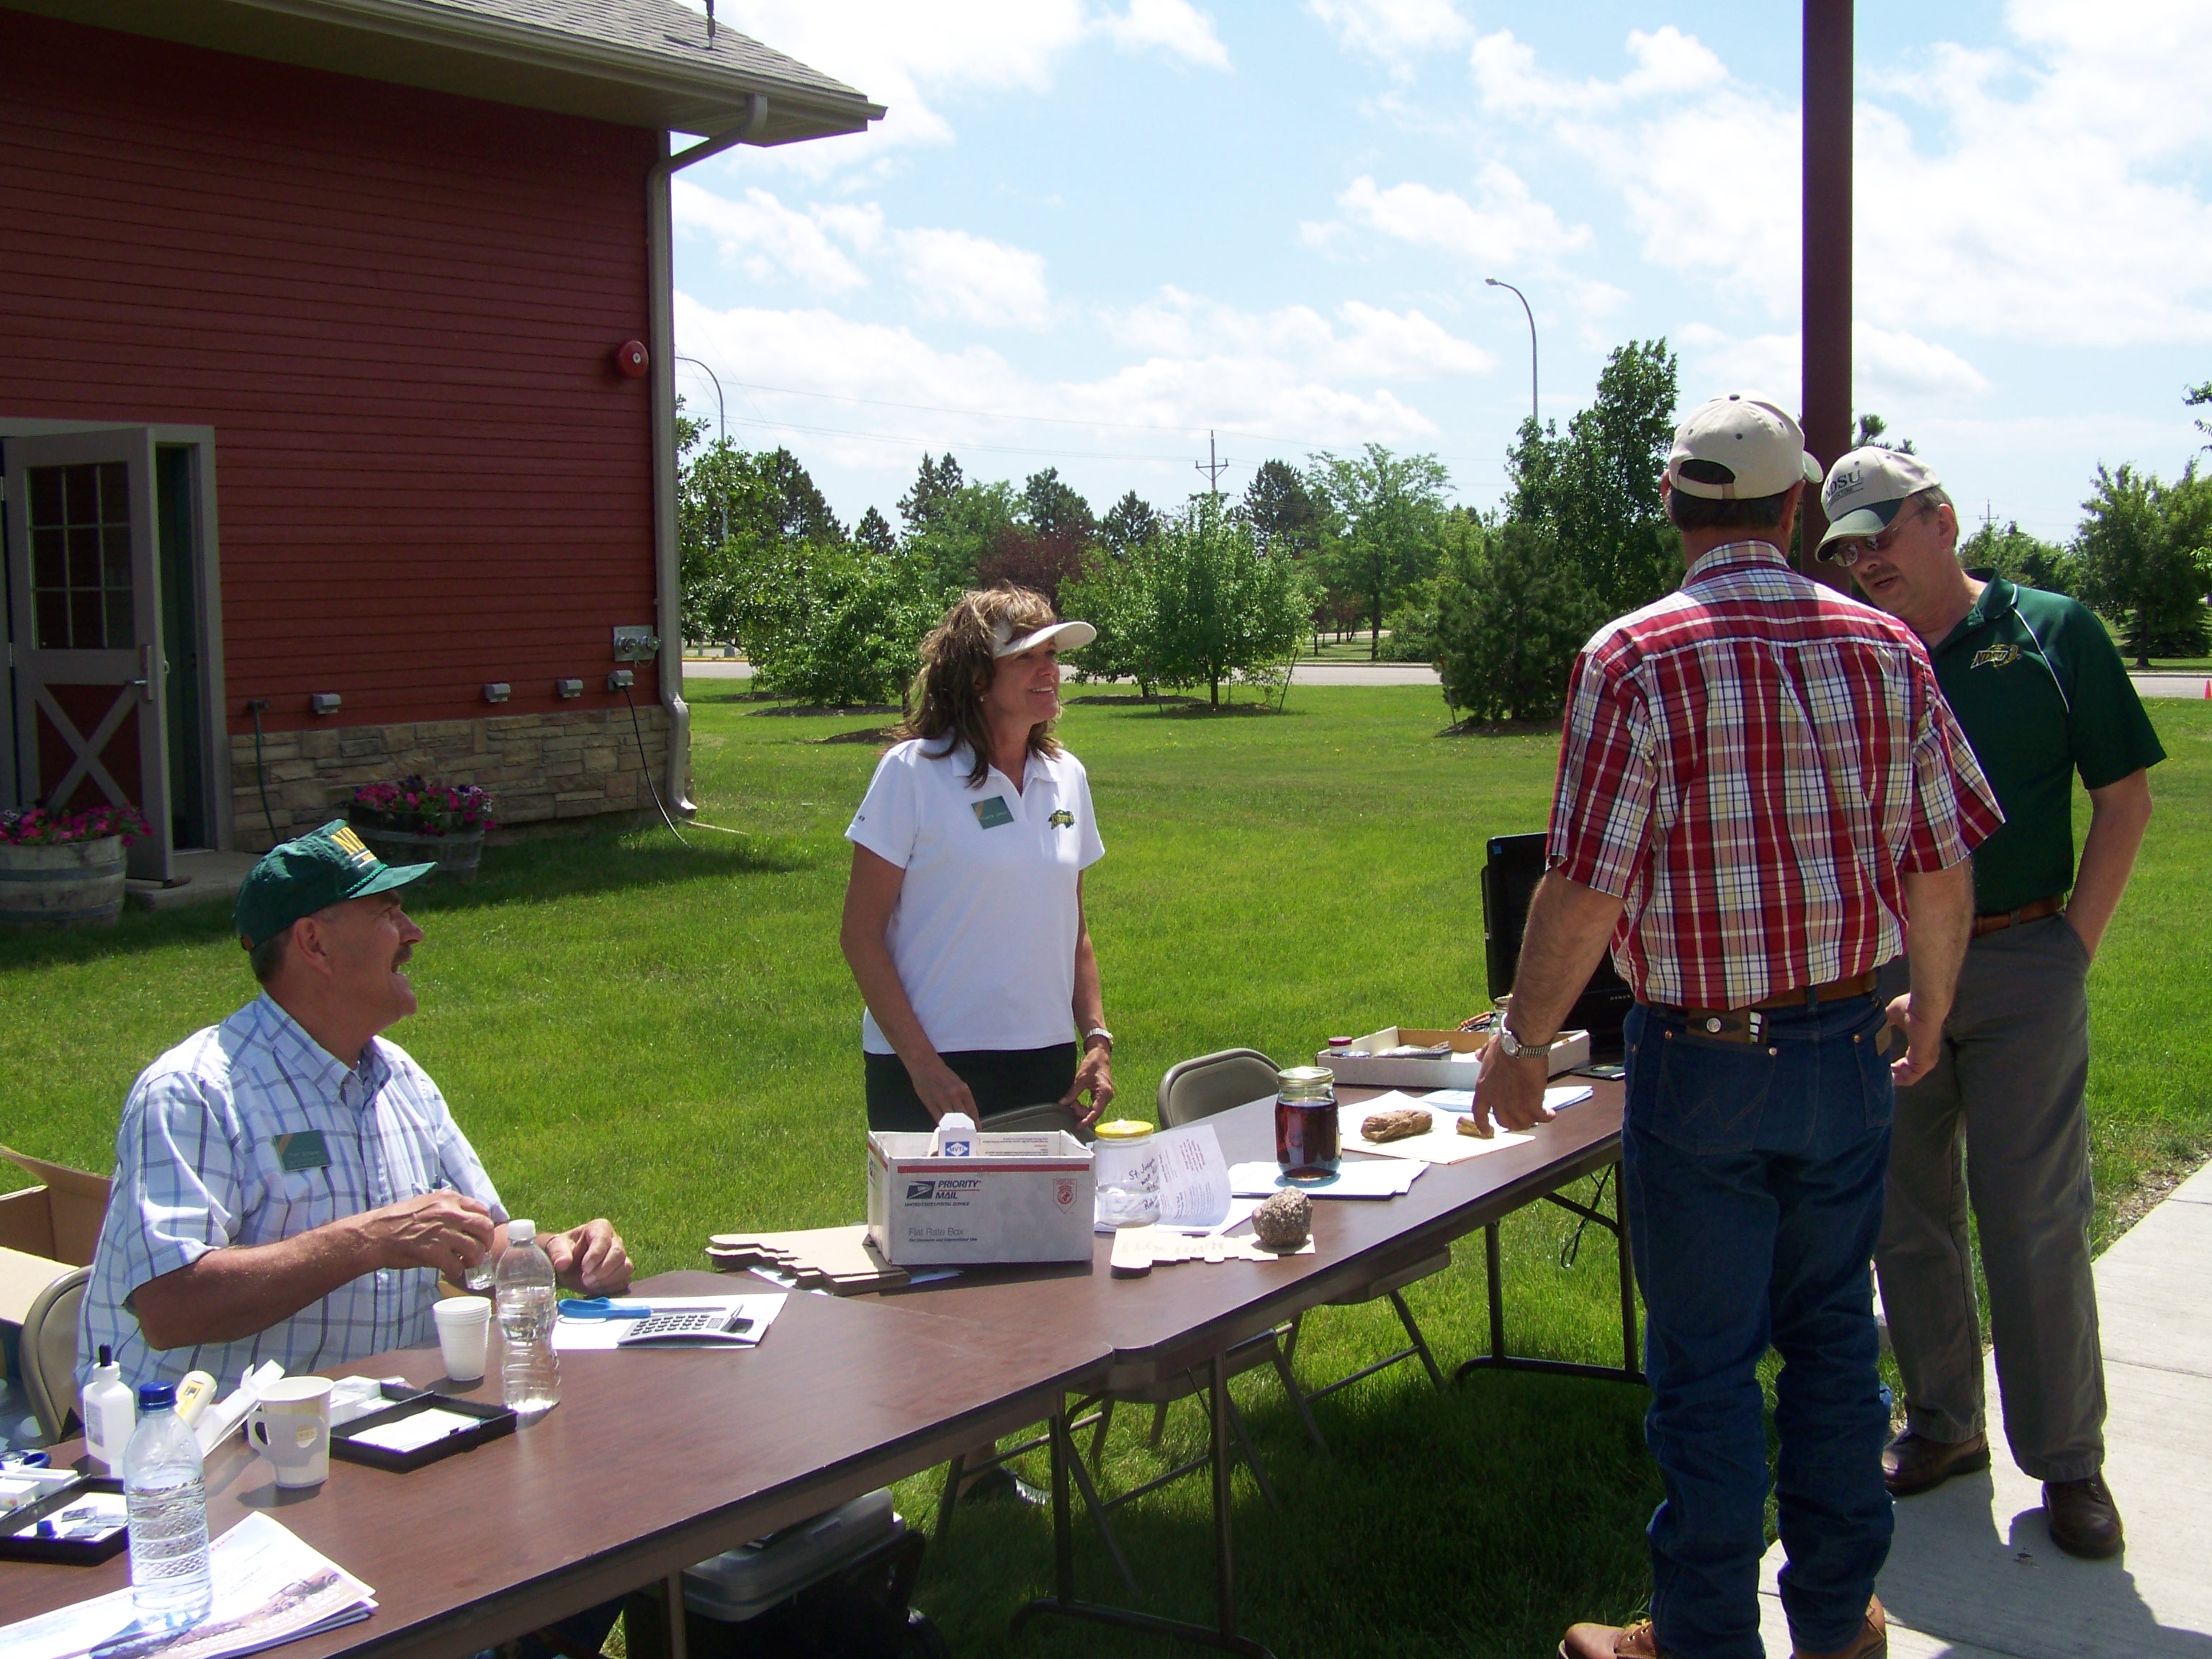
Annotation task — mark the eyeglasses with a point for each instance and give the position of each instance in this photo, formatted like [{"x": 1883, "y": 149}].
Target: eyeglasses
[{"x": 1848, "y": 550}]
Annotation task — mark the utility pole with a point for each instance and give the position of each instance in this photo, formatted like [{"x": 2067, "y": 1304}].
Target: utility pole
[
  {"x": 1827, "y": 258},
  {"x": 1214, "y": 466}
]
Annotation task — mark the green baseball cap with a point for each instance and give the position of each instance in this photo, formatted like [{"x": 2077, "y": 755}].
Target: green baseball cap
[{"x": 296, "y": 879}]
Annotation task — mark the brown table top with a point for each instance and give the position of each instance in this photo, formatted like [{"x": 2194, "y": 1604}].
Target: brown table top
[
  {"x": 1180, "y": 1312},
  {"x": 651, "y": 1461}
]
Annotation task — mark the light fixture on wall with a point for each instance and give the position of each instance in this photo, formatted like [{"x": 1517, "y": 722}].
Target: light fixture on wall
[
  {"x": 324, "y": 702},
  {"x": 497, "y": 691},
  {"x": 568, "y": 688}
]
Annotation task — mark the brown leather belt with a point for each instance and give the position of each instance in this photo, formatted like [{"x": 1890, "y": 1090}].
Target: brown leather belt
[
  {"x": 1996, "y": 919},
  {"x": 1745, "y": 1024},
  {"x": 1835, "y": 990}
]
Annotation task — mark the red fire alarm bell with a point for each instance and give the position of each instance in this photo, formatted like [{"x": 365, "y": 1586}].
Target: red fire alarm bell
[{"x": 631, "y": 358}]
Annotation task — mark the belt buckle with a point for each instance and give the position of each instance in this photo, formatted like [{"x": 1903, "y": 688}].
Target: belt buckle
[{"x": 1744, "y": 1026}]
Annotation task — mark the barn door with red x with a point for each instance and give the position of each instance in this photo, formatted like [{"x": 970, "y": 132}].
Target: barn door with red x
[{"x": 84, "y": 624}]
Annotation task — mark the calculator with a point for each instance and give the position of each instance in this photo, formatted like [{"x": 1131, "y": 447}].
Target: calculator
[{"x": 688, "y": 1325}]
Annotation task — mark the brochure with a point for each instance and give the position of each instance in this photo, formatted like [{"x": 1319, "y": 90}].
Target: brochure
[{"x": 270, "y": 1588}]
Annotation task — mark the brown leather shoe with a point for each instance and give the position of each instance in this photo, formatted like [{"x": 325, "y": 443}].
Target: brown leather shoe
[
  {"x": 1871, "y": 1643},
  {"x": 2083, "y": 1519},
  {"x": 1914, "y": 1464},
  {"x": 1610, "y": 1642}
]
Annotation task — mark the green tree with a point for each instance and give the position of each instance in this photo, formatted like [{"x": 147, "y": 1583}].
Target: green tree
[
  {"x": 2144, "y": 554},
  {"x": 958, "y": 532},
  {"x": 1871, "y": 428},
  {"x": 1128, "y": 523},
  {"x": 1597, "y": 487},
  {"x": 2020, "y": 557},
  {"x": 736, "y": 508},
  {"x": 2198, "y": 396},
  {"x": 1282, "y": 514},
  {"x": 836, "y": 625},
  {"x": 934, "y": 485},
  {"x": 1053, "y": 506},
  {"x": 1384, "y": 514},
  {"x": 874, "y": 533},
  {"x": 1512, "y": 610}
]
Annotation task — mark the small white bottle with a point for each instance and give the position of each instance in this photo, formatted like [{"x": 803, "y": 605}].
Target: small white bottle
[
  {"x": 955, "y": 1136},
  {"x": 111, "y": 1412}
]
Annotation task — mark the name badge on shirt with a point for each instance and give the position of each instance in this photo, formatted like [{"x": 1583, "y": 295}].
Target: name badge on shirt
[
  {"x": 993, "y": 812},
  {"x": 302, "y": 1151}
]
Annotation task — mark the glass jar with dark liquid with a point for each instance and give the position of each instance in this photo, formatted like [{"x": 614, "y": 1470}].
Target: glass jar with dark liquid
[{"x": 1307, "y": 1144}]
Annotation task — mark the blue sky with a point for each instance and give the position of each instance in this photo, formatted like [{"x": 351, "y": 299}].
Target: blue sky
[{"x": 1088, "y": 232}]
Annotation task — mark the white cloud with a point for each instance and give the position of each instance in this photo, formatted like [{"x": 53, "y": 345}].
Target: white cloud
[
  {"x": 1888, "y": 366},
  {"x": 972, "y": 278},
  {"x": 1367, "y": 342},
  {"x": 1505, "y": 226},
  {"x": 1176, "y": 26},
  {"x": 759, "y": 235},
  {"x": 2055, "y": 204},
  {"x": 1393, "y": 32}
]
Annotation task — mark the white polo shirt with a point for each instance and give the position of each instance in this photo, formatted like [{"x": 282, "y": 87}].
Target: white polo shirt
[{"x": 983, "y": 935}]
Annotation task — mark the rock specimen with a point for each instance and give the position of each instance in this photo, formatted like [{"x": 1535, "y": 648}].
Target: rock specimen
[
  {"x": 1395, "y": 1126},
  {"x": 1283, "y": 1222}
]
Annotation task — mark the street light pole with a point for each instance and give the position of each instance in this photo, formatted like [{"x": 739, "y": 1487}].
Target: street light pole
[
  {"x": 1493, "y": 282},
  {"x": 722, "y": 419}
]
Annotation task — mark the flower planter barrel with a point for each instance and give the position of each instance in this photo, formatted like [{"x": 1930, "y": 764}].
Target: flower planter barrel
[
  {"x": 456, "y": 856},
  {"x": 70, "y": 883}
]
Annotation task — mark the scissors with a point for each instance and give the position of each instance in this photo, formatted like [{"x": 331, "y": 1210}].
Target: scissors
[{"x": 598, "y": 1307}]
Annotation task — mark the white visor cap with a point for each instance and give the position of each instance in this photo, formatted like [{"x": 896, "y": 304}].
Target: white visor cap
[
  {"x": 1067, "y": 635},
  {"x": 1749, "y": 438},
  {"x": 1867, "y": 487}
]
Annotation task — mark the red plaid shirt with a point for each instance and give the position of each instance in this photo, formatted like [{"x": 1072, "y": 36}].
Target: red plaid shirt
[{"x": 1750, "y": 763}]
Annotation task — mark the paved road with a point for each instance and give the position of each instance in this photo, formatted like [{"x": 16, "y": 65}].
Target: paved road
[
  {"x": 2171, "y": 685},
  {"x": 1386, "y": 673}
]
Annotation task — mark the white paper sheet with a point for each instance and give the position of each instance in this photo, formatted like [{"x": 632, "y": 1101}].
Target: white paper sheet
[
  {"x": 1240, "y": 1212},
  {"x": 603, "y": 1335},
  {"x": 1367, "y": 1178},
  {"x": 1193, "y": 1177},
  {"x": 410, "y": 1433},
  {"x": 1442, "y": 1143},
  {"x": 1558, "y": 1097},
  {"x": 269, "y": 1588}
]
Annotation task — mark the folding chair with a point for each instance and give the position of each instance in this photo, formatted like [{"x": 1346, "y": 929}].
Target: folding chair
[{"x": 48, "y": 1353}]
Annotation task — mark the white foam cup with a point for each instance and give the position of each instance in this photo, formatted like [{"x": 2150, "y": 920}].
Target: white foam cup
[
  {"x": 290, "y": 1425},
  {"x": 464, "y": 1326}
]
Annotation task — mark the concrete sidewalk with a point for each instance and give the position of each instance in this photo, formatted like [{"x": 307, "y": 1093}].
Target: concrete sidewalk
[{"x": 1973, "y": 1573}]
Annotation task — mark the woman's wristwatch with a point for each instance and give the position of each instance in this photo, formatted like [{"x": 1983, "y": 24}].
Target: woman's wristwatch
[{"x": 1099, "y": 1032}]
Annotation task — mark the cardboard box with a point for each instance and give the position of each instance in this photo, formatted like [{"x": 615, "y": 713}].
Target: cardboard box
[
  {"x": 46, "y": 1230},
  {"x": 1374, "y": 1069},
  {"x": 1031, "y": 1201}
]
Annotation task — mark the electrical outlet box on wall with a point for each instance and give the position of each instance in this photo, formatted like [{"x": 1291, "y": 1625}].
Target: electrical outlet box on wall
[{"x": 635, "y": 642}]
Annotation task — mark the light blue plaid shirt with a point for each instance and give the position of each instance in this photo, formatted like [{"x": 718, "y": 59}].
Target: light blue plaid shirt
[{"x": 219, "y": 1146}]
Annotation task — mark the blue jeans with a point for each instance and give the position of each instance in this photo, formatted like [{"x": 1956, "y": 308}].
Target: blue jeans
[{"x": 1753, "y": 1174}]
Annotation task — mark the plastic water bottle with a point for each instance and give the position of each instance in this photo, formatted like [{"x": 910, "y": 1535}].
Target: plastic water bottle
[
  {"x": 110, "y": 1411},
  {"x": 165, "y": 1494},
  {"x": 530, "y": 1375}
]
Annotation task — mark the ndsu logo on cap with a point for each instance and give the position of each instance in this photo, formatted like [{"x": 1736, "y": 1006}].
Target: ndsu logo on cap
[{"x": 356, "y": 849}]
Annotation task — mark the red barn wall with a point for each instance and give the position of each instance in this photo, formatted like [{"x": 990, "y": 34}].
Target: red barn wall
[{"x": 397, "y": 308}]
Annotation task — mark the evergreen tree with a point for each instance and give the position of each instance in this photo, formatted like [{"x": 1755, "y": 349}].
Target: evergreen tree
[
  {"x": 1282, "y": 514},
  {"x": 1052, "y": 506},
  {"x": 1131, "y": 522},
  {"x": 934, "y": 488},
  {"x": 1512, "y": 612},
  {"x": 874, "y": 533}
]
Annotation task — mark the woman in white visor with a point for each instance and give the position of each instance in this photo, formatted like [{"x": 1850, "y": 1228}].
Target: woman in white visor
[{"x": 963, "y": 916}]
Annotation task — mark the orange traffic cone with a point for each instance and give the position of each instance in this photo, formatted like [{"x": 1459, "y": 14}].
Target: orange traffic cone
[{"x": 2207, "y": 689}]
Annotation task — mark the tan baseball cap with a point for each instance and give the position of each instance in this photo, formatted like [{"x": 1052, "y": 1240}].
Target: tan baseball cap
[
  {"x": 1739, "y": 446},
  {"x": 1866, "y": 488}
]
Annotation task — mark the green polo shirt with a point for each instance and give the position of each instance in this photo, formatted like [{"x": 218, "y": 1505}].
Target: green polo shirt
[{"x": 2043, "y": 695}]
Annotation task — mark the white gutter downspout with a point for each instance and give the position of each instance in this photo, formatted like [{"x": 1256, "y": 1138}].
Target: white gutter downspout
[{"x": 667, "y": 552}]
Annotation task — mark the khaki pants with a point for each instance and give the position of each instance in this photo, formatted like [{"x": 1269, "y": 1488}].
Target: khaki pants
[{"x": 2004, "y": 1101}]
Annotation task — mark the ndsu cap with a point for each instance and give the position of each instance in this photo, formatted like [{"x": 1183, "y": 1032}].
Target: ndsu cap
[
  {"x": 1739, "y": 446},
  {"x": 296, "y": 879},
  {"x": 1867, "y": 487}
]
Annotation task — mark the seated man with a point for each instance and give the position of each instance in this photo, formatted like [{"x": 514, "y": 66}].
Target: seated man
[{"x": 289, "y": 1185}]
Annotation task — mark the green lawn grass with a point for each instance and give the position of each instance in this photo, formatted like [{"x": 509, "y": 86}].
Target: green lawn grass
[{"x": 669, "y": 1036}]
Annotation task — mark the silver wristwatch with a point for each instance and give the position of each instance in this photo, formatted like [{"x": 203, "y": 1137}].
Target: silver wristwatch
[
  {"x": 1513, "y": 1047},
  {"x": 1100, "y": 1030}
]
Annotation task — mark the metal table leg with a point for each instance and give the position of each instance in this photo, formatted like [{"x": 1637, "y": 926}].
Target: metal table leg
[
  {"x": 1499, "y": 1359},
  {"x": 1222, "y": 1634}
]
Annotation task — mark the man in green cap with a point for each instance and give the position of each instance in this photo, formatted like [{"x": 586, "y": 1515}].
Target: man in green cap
[
  {"x": 2044, "y": 698},
  {"x": 289, "y": 1185}
]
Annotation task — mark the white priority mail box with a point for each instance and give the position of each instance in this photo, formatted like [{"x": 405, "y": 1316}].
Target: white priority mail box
[
  {"x": 1370, "y": 1065},
  {"x": 1021, "y": 1198}
]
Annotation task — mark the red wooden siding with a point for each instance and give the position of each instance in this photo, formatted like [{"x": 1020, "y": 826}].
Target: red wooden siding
[{"x": 398, "y": 309}]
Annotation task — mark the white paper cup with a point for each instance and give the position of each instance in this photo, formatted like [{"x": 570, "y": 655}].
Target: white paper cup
[
  {"x": 464, "y": 1326},
  {"x": 290, "y": 1425}
]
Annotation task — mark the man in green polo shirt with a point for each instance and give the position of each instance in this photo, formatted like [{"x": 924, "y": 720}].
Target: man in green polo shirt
[{"x": 2044, "y": 698}]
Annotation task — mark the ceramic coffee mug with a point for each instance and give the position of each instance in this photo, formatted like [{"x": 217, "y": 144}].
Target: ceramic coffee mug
[{"x": 290, "y": 1425}]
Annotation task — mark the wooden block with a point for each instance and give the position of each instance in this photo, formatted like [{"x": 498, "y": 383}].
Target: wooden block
[{"x": 1132, "y": 1251}]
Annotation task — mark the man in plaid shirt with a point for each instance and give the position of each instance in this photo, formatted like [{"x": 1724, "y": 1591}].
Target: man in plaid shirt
[
  {"x": 1762, "y": 796},
  {"x": 289, "y": 1185}
]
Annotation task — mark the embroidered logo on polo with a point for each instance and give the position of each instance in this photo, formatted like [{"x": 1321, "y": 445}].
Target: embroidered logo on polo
[
  {"x": 351, "y": 845},
  {"x": 1063, "y": 819},
  {"x": 303, "y": 1150},
  {"x": 1996, "y": 656},
  {"x": 993, "y": 812}
]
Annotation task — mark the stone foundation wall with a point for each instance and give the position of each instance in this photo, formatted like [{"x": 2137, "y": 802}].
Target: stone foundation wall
[{"x": 536, "y": 767}]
